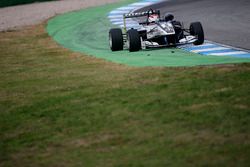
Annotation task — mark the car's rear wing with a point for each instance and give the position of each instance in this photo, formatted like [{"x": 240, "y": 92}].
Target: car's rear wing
[
  {"x": 138, "y": 14},
  {"x": 141, "y": 14}
]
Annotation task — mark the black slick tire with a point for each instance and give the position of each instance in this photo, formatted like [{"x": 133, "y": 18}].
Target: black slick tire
[
  {"x": 115, "y": 39},
  {"x": 134, "y": 41},
  {"x": 197, "y": 30}
]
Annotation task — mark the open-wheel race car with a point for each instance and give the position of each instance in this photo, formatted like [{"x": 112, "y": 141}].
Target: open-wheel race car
[{"x": 154, "y": 32}]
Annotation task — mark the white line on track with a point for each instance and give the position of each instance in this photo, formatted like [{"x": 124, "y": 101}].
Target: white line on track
[
  {"x": 229, "y": 53},
  {"x": 126, "y": 8},
  {"x": 116, "y": 17},
  {"x": 140, "y": 4},
  {"x": 204, "y": 45},
  {"x": 210, "y": 49},
  {"x": 118, "y": 12}
]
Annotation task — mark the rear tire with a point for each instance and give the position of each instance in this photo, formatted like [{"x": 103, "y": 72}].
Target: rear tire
[
  {"x": 197, "y": 30},
  {"x": 134, "y": 41},
  {"x": 115, "y": 39}
]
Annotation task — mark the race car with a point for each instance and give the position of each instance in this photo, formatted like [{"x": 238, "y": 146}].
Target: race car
[{"x": 154, "y": 32}]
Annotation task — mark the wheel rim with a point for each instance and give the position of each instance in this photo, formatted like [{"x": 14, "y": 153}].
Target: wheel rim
[
  {"x": 128, "y": 42},
  {"x": 110, "y": 41}
]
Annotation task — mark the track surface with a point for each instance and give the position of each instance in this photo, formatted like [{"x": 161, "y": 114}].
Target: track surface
[{"x": 224, "y": 21}]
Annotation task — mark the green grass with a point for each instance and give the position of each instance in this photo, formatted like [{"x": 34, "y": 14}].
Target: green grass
[
  {"x": 59, "y": 108},
  {"x": 4, "y": 3}
]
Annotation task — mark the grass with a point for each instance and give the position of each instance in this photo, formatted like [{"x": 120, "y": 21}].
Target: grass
[
  {"x": 4, "y": 3},
  {"x": 59, "y": 108}
]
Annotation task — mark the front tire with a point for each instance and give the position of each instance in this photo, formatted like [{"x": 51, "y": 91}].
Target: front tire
[
  {"x": 134, "y": 41},
  {"x": 116, "y": 39},
  {"x": 197, "y": 30}
]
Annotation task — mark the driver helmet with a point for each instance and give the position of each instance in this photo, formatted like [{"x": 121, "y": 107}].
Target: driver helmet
[{"x": 153, "y": 18}]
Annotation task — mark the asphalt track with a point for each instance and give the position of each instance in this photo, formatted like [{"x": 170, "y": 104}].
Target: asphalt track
[
  {"x": 86, "y": 31},
  {"x": 224, "y": 21}
]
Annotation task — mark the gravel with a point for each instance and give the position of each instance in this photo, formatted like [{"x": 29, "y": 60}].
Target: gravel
[{"x": 25, "y": 15}]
